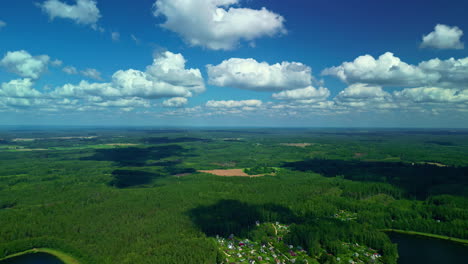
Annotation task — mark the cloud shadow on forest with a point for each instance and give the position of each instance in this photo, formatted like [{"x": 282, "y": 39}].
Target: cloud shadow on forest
[
  {"x": 137, "y": 157},
  {"x": 235, "y": 217},
  {"x": 418, "y": 180}
]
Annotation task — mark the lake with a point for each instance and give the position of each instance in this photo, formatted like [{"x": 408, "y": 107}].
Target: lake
[
  {"x": 417, "y": 249},
  {"x": 33, "y": 258}
]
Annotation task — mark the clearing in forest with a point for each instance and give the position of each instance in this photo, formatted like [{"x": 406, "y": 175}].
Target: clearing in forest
[
  {"x": 434, "y": 163},
  {"x": 121, "y": 144},
  {"x": 299, "y": 145},
  {"x": 230, "y": 173}
]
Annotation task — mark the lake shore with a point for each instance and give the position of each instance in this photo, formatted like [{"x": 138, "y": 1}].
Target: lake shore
[
  {"x": 454, "y": 239},
  {"x": 64, "y": 257}
]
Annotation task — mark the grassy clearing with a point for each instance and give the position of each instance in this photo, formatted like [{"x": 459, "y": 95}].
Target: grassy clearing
[{"x": 64, "y": 257}]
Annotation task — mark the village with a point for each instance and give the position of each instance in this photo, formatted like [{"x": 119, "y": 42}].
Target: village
[{"x": 275, "y": 250}]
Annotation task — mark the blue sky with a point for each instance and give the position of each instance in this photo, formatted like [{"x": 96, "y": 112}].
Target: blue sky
[{"x": 308, "y": 63}]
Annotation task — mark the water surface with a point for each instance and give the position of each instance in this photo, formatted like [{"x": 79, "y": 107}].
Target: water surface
[
  {"x": 33, "y": 258},
  {"x": 417, "y": 249}
]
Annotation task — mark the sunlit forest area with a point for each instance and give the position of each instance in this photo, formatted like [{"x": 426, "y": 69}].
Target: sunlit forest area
[{"x": 138, "y": 196}]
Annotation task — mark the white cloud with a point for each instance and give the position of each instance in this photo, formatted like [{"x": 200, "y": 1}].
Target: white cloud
[
  {"x": 115, "y": 36},
  {"x": 21, "y": 103},
  {"x": 432, "y": 95},
  {"x": 451, "y": 72},
  {"x": 362, "y": 91},
  {"x": 124, "y": 103},
  {"x": 170, "y": 68},
  {"x": 22, "y": 88},
  {"x": 56, "y": 63},
  {"x": 70, "y": 70},
  {"x": 308, "y": 93},
  {"x": 175, "y": 102},
  {"x": 233, "y": 103},
  {"x": 260, "y": 76},
  {"x": 386, "y": 70},
  {"x": 24, "y": 64},
  {"x": 2, "y": 24},
  {"x": 216, "y": 24},
  {"x": 137, "y": 83},
  {"x": 84, "y": 12},
  {"x": 166, "y": 77},
  {"x": 443, "y": 37},
  {"x": 92, "y": 73},
  {"x": 389, "y": 70},
  {"x": 89, "y": 72},
  {"x": 368, "y": 98},
  {"x": 364, "y": 97}
]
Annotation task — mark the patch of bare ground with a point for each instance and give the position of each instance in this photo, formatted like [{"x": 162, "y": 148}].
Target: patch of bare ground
[
  {"x": 230, "y": 173},
  {"x": 299, "y": 145},
  {"x": 358, "y": 155}
]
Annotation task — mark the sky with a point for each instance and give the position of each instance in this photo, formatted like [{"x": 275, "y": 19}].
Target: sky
[{"x": 240, "y": 63}]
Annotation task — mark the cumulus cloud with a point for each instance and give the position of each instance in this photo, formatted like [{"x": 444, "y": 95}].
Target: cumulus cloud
[
  {"x": 170, "y": 68},
  {"x": 92, "y": 73},
  {"x": 2, "y": 24},
  {"x": 175, "y": 102},
  {"x": 115, "y": 36},
  {"x": 389, "y": 70},
  {"x": 83, "y": 12},
  {"x": 70, "y": 70},
  {"x": 124, "y": 103},
  {"x": 362, "y": 91},
  {"x": 166, "y": 77},
  {"x": 260, "y": 76},
  {"x": 308, "y": 93},
  {"x": 365, "y": 98},
  {"x": 451, "y": 72},
  {"x": 233, "y": 103},
  {"x": 21, "y": 103},
  {"x": 216, "y": 24},
  {"x": 443, "y": 37},
  {"x": 432, "y": 95},
  {"x": 24, "y": 64},
  {"x": 22, "y": 88},
  {"x": 386, "y": 70}
]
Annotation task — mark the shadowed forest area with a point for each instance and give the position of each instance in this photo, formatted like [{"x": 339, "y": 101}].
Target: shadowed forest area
[
  {"x": 129, "y": 178},
  {"x": 133, "y": 156},
  {"x": 418, "y": 180},
  {"x": 228, "y": 217},
  {"x": 167, "y": 140}
]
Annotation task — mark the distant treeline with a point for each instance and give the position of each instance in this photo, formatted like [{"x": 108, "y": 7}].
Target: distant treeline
[{"x": 166, "y": 140}]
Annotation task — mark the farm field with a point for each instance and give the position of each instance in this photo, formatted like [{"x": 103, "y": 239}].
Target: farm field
[{"x": 154, "y": 195}]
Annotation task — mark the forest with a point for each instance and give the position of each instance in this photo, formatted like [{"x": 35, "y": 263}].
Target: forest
[{"x": 137, "y": 196}]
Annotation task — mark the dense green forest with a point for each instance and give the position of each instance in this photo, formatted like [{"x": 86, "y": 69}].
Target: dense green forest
[{"x": 136, "y": 196}]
